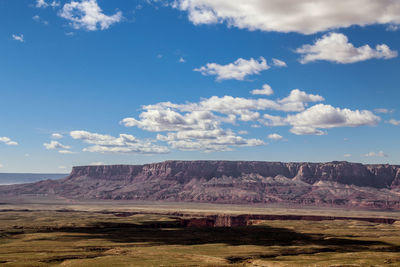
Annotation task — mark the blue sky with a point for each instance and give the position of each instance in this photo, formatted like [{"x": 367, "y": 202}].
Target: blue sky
[{"x": 92, "y": 82}]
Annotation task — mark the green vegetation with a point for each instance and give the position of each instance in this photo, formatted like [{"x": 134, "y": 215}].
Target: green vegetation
[{"x": 88, "y": 238}]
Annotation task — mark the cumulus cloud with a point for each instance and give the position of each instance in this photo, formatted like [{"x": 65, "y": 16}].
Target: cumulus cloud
[
  {"x": 86, "y": 14},
  {"x": 335, "y": 47},
  {"x": 266, "y": 90},
  {"x": 275, "y": 137},
  {"x": 325, "y": 116},
  {"x": 207, "y": 141},
  {"x": 394, "y": 122},
  {"x": 347, "y": 155},
  {"x": 167, "y": 116},
  {"x": 8, "y": 141},
  {"x": 376, "y": 154},
  {"x": 278, "y": 63},
  {"x": 19, "y": 38},
  {"x": 125, "y": 143},
  {"x": 237, "y": 70},
  {"x": 55, "y": 145},
  {"x": 202, "y": 125},
  {"x": 302, "y": 16},
  {"x": 297, "y": 96}
]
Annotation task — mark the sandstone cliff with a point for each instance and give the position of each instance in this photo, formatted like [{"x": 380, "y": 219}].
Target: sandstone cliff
[{"x": 332, "y": 183}]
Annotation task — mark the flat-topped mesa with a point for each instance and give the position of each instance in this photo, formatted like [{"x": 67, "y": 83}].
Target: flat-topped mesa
[
  {"x": 377, "y": 176},
  {"x": 230, "y": 182},
  {"x": 109, "y": 172}
]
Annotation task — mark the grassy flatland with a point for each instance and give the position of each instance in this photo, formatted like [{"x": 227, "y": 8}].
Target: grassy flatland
[{"x": 43, "y": 236}]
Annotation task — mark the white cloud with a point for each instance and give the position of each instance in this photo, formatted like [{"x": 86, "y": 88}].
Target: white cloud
[
  {"x": 44, "y": 4},
  {"x": 393, "y": 27},
  {"x": 182, "y": 60},
  {"x": 98, "y": 163},
  {"x": 273, "y": 120},
  {"x": 201, "y": 125},
  {"x": 394, "y": 122},
  {"x": 237, "y": 70},
  {"x": 306, "y": 130},
  {"x": 383, "y": 110},
  {"x": 41, "y": 3},
  {"x": 278, "y": 63},
  {"x": 335, "y": 47},
  {"x": 347, "y": 155},
  {"x": 37, "y": 18},
  {"x": 125, "y": 143},
  {"x": 376, "y": 154},
  {"x": 266, "y": 90},
  {"x": 87, "y": 14},
  {"x": 8, "y": 141},
  {"x": 297, "y": 96},
  {"x": 207, "y": 141},
  {"x": 53, "y": 145},
  {"x": 19, "y": 38},
  {"x": 55, "y": 4},
  {"x": 303, "y": 16},
  {"x": 275, "y": 137},
  {"x": 326, "y": 116},
  {"x": 56, "y": 136}
]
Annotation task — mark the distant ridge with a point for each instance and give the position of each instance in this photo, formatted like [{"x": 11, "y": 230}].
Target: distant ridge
[
  {"x": 19, "y": 178},
  {"x": 337, "y": 183}
]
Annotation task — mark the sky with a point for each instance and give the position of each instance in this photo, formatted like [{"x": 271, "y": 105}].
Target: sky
[{"x": 90, "y": 82}]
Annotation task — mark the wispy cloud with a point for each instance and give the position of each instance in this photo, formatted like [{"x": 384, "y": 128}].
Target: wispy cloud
[
  {"x": 380, "y": 154},
  {"x": 394, "y": 122},
  {"x": 18, "y": 37},
  {"x": 278, "y": 63},
  {"x": 8, "y": 141},
  {"x": 56, "y": 136}
]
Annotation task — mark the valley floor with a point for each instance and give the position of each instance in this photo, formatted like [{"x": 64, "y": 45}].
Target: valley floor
[{"x": 131, "y": 235}]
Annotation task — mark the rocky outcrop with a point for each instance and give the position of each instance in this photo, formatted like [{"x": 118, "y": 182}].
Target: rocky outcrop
[
  {"x": 320, "y": 184},
  {"x": 226, "y": 220}
]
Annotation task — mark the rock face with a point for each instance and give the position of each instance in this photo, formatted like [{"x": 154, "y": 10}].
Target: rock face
[{"x": 240, "y": 182}]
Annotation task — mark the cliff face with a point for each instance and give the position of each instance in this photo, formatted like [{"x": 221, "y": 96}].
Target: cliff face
[
  {"x": 377, "y": 176},
  {"x": 333, "y": 183}
]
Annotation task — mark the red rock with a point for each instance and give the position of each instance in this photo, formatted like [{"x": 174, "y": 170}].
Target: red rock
[{"x": 241, "y": 182}]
